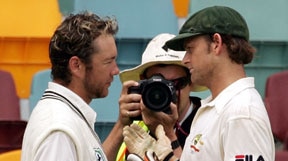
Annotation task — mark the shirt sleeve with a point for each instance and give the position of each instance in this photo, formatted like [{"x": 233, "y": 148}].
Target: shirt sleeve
[{"x": 57, "y": 146}]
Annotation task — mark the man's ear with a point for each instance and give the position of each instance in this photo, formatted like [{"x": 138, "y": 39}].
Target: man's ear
[
  {"x": 75, "y": 64},
  {"x": 217, "y": 43}
]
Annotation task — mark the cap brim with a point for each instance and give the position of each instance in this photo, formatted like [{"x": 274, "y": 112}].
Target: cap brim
[
  {"x": 177, "y": 43},
  {"x": 134, "y": 73}
]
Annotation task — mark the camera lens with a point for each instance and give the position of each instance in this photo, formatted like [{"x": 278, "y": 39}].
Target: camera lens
[{"x": 157, "y": 96}]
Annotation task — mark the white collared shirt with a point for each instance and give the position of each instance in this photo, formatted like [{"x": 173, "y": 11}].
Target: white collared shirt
[
  {"x": 57, "y": 132},
  {"x": 233, "y": 126}
]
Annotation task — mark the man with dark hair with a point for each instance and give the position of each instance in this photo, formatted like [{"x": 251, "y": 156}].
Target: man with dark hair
[{"x": 83, "y": 55}]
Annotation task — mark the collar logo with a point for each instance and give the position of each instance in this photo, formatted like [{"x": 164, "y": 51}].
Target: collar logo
[
  {"x": 248, "y": 158},
  {"x": 196, "y": 143}
]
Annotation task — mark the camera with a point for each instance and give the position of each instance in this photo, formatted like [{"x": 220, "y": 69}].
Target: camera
[{"x": 157, "y": 93}]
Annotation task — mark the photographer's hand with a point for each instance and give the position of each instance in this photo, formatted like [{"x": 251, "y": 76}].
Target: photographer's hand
[
  {"x": 152, "y": 119},
  {"x": 129, "y": 104}
]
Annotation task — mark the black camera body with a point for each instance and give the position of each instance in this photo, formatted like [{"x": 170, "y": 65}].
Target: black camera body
[{"x": 157, "y": 93}]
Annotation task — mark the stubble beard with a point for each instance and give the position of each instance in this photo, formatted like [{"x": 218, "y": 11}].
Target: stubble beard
[{"x": 93, "y": 89}]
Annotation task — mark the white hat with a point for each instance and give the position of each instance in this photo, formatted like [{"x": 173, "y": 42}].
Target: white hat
[{"x": 155, "y": 54}]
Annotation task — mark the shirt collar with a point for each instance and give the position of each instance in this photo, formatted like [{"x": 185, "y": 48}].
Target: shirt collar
[
  {"x": 77, "y": 101},
  {"x": 228, "y": 93}
]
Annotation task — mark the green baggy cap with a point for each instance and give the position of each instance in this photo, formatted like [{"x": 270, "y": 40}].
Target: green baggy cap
[{"x": 216, "y": 19}]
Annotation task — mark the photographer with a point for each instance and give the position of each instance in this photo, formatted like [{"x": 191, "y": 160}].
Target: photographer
[{"x": 159, "y": 70}]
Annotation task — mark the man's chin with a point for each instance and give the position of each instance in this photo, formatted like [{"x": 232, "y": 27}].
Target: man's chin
[
  {"x": 101, "y": 95},
  {"x": 104, "y": 94}
]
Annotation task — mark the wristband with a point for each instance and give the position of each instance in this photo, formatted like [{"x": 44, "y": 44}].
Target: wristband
[
  {"x": 169, "y": 156},
  {"x": 175, "y": 144}
]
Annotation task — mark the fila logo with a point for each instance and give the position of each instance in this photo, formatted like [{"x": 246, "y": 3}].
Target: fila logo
[{"x": 248, "y": 158}]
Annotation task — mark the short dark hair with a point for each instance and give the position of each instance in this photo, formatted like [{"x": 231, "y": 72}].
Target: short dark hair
[{"x": 74, "y": 37}]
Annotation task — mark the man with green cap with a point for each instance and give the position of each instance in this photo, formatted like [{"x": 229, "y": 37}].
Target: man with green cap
[{"x": 232, "y": 123}]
